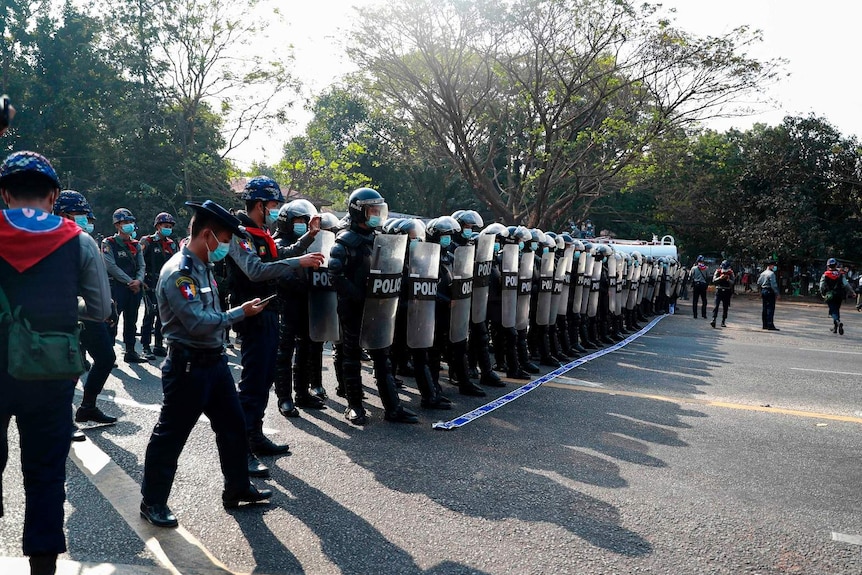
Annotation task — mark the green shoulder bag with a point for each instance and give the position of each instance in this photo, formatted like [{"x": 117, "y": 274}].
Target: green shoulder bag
[{"x": 39, "y": 356}]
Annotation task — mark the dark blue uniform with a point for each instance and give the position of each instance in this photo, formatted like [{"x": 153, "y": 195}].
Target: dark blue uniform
[
  {"x": 157, "y": 250},
  {"x": 125, "y": 262},
  {"x": 196, "y": 379}
]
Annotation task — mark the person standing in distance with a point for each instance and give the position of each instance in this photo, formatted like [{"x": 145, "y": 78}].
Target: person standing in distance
[
  {"x": 699, "y": 281},
  {"x": 196, "y": 378},
  {"x": 768, "y": 284},
  {"x": 834, "y": 287},
  {"x": 125, "y": 263},
  {"x": 723, "y": 279},
  {"x": 46, "y": 262}
]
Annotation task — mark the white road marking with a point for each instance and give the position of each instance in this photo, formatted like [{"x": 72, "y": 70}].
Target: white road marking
[
  {"x": 573, "y": 381},
  {"x": 830, "y": 350},
  {"x": 844, "y": 538},
  {"x": 825, "y": 371}
]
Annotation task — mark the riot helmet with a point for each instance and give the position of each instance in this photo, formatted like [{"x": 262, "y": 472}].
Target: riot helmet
[
  {"x": 440, "y": 230},
  {"x": 329, "y": 222},
  {"x": 367, "y": 206},
  {"x": 469, "y": 220}
]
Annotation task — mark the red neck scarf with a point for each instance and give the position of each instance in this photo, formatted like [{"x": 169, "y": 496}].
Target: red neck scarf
[
  {"x": 28, "y": 236},
  {"x": 265, "y": 236}
]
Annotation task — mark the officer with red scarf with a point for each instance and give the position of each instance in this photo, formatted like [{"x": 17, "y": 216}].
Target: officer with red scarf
[
  {"x": 157, "y": 249},
  {"x": 46, "y": 262},
  {"x": 125, "y": 263},
  {"x": 254, "y": 266}
]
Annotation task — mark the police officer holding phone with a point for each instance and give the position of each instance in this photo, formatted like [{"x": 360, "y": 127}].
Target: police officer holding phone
[{"x": 196, "y": 378}]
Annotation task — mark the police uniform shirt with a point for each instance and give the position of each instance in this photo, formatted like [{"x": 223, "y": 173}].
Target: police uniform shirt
[
  {"x": 189, "y": 304},
  {"x": 243, "y": 254},
  {"x": 767, "y": 280},
  {"x": 114, "y": 270}
]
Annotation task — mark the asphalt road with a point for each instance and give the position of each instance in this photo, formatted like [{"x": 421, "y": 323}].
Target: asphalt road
[{"x": 691, "y": 450}]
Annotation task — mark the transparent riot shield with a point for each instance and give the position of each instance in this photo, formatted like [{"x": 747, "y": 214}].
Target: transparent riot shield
[
  {"x": 462, "y": 293},
  {"x": 525, "y": 290},
  {"x": 322, "y": 299},
  {"x": 558, "y": 301},
  {"x": 587, "y": 279},
  {"x": 481, "y": 277},
  {"x": 383, "y": 286},
  {"x": 595, "y": 285},
  {"x": 621, "y": 281},
  {"x": 422, "y": 277},
  {"x": 546, "y": 290},
  {"x": 509, "y": 272},
  {"x": 565, "y": 299},
  {"x": 612, "y": 284}
]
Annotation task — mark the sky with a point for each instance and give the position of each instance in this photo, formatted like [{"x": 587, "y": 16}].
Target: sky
[{"x": 819, "y": 40}]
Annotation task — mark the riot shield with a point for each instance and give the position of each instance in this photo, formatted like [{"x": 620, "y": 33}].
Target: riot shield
[
  {"x": 612, "y": 284},
  {"x": 422, "y": 278},
  {"x": 595, "y": 285},
  {"x": 383, "y": 286},
  {"x": 322, "y": 299},
  {"x": 462, "y": 293},
  {"x": 587, "y": 283},
  {"x": 509, "y": 272},
  {"x": 563, "y": 308},
  {"x": 578, "y": 289},
  {"x": 546, "y": 289},
  {"x": 525, "y": 290},
  {"x": 634, "y": 282},
  {"x": 481, "y": 277},
  {"x": 622, "y": 262}
]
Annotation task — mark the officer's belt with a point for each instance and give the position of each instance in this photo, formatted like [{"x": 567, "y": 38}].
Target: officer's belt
[{"x": 196, "y": 356}]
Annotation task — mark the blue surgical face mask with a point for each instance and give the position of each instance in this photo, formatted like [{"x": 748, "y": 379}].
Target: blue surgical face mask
[
  {"x": 134, "y": 235},
  {"x": 445, "y": 241},
  {"x": 544, "y": 250},
  {"x": 413, "y": 241},
  {"x": 82, "y": 222},
  {"x": 496, "y": 247},
  {"x": 127, "y": 228},
  {"x": 300, "y": 229},
  {"x": 220, "y": 252},
  {"x": 534, "y": 246},
  {"x": 467, "y": 233},
  {"x": 89, "y": 228},
  {"x": 373, "y": 221},
  {"x": 271, "y": 216},
  {"x": 166, "y": 232},
  {"x": 520, "y": 246}
]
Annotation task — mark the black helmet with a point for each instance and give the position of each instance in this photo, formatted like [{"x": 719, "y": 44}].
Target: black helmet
[
  {"x": 389, "y": 226},
  {"x": 413, "y": 227},
  {"x": 360, "y": 200},
  {"x": 444, "y": 225}
]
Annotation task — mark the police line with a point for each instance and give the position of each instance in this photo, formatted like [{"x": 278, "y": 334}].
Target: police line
[{"x": 466, "y": 418}]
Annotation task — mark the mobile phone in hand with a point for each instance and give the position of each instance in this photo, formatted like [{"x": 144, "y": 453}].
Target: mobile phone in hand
[{"x": 266, "y": 299}]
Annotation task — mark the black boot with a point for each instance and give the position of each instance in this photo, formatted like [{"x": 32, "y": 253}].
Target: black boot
[
  {"x": 524, "y": 353},
  {"x": 583, "y": 330},
  {"x": 574, "y": 333},
  {"x": 302, "y": 377},
  {"x": 392, "y": 408},
  {"x": 429, "y": 392},
  {"x": 554, "y": 345},
  {"x": 593, "y": 331}
]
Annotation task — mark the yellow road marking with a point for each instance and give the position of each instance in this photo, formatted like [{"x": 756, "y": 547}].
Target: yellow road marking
[{"x": 694, "y": 400}]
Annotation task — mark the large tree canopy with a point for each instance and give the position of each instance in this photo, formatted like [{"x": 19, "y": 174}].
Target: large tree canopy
[{"x": 541, "y": 104}]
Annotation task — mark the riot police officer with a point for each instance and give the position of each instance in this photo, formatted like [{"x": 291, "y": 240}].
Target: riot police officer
[
  {"x": 95, "y": 334},
  {"x": 157, "y": 248},
  {"x": 451, "y": 324},
  {"x": 351, "y": 263},
  {"x": 478, "y": 341},
  {"x": 125, "y": 263},
  {"x": 295, "y": 220},
  {"x": 196, "y": 378},
  {"x": 543, "y": 285},
  {"x": 254, "y": 265},
  {"x": 503, "y": 285}
]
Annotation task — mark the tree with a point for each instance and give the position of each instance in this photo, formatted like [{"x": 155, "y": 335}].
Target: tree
[{"x": 541, "y": 104}]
